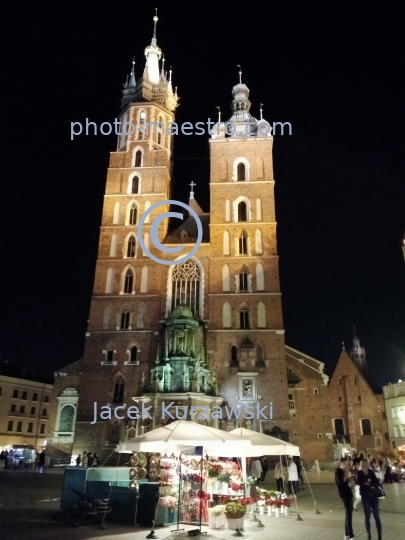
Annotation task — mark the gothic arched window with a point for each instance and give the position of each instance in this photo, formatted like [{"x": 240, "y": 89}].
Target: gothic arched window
[
  {"x": 186, "y": 286},
  {"x": 242, "y": 211},
  {"x": 138, "y": 158},
  {"x": 234, "y": 357},
  {"x": 115, "y": 432},
  {"x": 133, "y": 214},
  {"x": 124, "y": 320},
  {"x": 241, "y": 171},
  {"x": 243, "y": 243},
  {"x": 106, "y": 317},
  {"x": 135, "y": 184},
  {"x": 243, "y": 281},
  {"x": 119, "y": 390},
  {"x": 131, "y": 247},
  {"x": 66, "y": 418},
  {"x": 244, "y": 318},
  {"x": 129, "y": 281},
  {"x": 140, "y": 321},
  {"x": 133, "y": 354}
]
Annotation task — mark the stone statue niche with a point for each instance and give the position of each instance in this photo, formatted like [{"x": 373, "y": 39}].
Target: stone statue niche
[{"x": 180, "y": 362}]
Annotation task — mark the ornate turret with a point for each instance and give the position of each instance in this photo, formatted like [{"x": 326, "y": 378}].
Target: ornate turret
[
  {"x": 242, "y": 123},
  {"x": 154, "y": 84}
]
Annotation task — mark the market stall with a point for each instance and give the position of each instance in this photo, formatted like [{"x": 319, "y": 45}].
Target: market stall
[{"x": 187, "y": 488}]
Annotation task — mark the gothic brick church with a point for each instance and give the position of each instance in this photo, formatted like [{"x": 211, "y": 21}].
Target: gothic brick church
[{"x": 203, "y": 333}]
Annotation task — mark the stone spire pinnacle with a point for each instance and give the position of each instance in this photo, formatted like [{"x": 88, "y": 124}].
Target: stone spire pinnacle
[
  {"x": 132, "y": 80},
  {"x": 240, "y": 73},
  {"x": 155, "y": 20},
  {"x": 358, "y": 353}
]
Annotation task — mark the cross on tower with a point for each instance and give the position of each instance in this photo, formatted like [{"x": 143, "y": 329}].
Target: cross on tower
[{"x": 192, "y": 184}]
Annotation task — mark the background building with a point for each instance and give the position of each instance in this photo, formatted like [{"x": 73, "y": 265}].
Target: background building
[
  {"x": 357, "y": 410},
  {"x": 24, "y": 407},
  {"x": 394, "y": 395}
]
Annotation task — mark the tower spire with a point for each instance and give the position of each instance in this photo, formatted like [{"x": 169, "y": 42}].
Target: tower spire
[
  {"x": 240, "y": 73},
  {"x": 132, "y": 80},
  {"x": 358, "y": 353},
  {"x": 155, "y": 20},
  {"x": 261, "y": 111}
]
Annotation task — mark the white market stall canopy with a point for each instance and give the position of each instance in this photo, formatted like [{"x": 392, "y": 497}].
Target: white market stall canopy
[
  {"x": 264, "y": 445},
  {"x": 183, "y": 434}
]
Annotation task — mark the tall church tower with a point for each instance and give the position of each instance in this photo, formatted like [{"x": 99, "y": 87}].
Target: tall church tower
[
  {"x": 126, "y": 303},
  {"x": 245, "y": 330}
]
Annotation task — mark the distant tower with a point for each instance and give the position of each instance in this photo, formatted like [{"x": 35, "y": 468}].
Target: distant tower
[{"x": 358, "y": 353}]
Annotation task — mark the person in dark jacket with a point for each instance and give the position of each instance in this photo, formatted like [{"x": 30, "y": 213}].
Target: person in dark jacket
[
  {"x": 369, "y": 487},
  {"x": 345, "y": 483}
]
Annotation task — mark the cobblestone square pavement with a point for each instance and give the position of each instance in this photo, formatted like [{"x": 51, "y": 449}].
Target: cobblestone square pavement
[{"x": 26, "y": 516}]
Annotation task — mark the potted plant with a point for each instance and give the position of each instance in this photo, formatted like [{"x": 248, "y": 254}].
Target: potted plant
[
  {"x": 223, "y": 478},
  {"x": 235, "y": 513},
  {"x": 216, "y": 517},
  {"x": 214, "y": 470}
]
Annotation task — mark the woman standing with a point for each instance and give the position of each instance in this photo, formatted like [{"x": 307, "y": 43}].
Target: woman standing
[
  {"x": 369, "y": 486},
  {"x": 279, "y": 476}
]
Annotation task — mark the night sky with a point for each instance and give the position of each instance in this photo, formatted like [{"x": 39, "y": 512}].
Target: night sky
[{"x": 334, "y": 70}]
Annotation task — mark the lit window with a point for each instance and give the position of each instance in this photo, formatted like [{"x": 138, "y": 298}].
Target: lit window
[
  {"x": 138, "y": 159},
  {"x": 243, "y": 281},
  {"x": 234, "y": 357},
  {"x": 244, "y": 318},
  {"x": 241, "y": 170},
  {"x": 129, "y": 281},
  {"x": 119, "y": 391},
  {"x": 243, "y": 243},
  {"x": 366, "y": 427},
  {"x": 131, "y": 247},
  {"x": 133, "y": 214},
  {"x": 242, "y": 211},
  {"x": 133, "y": 354},
  {"x": 135, "y": 184},
  {"x": 124, "y": 320}
]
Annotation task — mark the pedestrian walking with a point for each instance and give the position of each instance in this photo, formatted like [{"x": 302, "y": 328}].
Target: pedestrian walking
[
  {"x": 89, "y": 459},
  {"x": 292, "y": 479},
  {"x": 78, "y": 459},
  {"x": 345, "y": 484},
  {"x": 369, "y": 491},
  {"x": 95, "y": 459},
  {"x": 298, "y": 462}
]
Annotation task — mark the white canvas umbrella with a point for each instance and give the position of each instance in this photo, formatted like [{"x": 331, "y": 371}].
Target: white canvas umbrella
[
  {"x": 264, "y": 445},
  {"x": 183, "y": 434}
]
